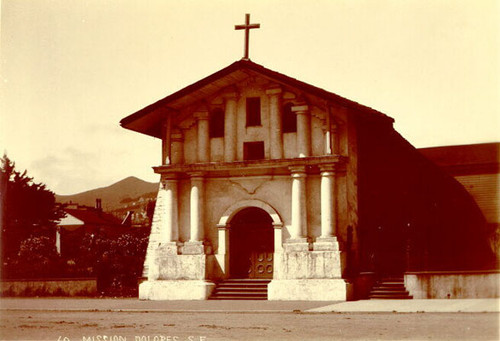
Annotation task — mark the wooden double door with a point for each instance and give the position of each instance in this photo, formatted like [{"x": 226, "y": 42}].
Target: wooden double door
[{"x": 251, "y": 245}]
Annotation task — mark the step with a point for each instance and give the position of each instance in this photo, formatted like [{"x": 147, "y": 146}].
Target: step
[
  {"x": 234, "y": 280},
  {"x": 396, "y": 293},
  {"x": 390, "y": 287},
  {"x": 244, "y": 285},
  {"x": 390, "y": 297},
  {"x": 241, "y": 289},
  {"x": 242, "y": 293},
  {"x": 237, "y": 297}
]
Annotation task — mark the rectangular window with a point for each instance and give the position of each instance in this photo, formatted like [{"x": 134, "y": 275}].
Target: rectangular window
[
  {"x": 217, "y": 123},
  {"x": 253, "y": 111},
  {"x": 289, "y": 119},
  {"x": 253, "y": 150}
]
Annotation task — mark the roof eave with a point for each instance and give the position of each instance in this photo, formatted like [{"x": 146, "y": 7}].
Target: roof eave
[{"x": 128, "y": 122}]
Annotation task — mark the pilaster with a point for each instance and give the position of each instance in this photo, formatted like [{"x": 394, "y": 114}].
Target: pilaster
[
  {"x": 203, "y": 136},
  {"x": 166, "y": 130},
  {"x": 275, "y": 126},
  {"x": 230, "y": 127},
  {"x": 303, "y": 130},
  {"x": 177, "y": 147},
  {"x": 222, "y": 255}
]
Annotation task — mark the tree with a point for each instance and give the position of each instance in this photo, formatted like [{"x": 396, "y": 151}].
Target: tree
[{"x": 27, "y": 209}]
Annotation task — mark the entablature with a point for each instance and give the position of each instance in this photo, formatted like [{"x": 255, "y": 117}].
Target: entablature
[{"x": 312, "y": 165}]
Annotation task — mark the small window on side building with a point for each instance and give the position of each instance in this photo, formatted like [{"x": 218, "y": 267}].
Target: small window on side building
[
  {"x": 253, "y": 111},
  {"x": 217, "y": 123},
  {"x": 253, "y": 150},
  {"x": 289, "y": 119}
]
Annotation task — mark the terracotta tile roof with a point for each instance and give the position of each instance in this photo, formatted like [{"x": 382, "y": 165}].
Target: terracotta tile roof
[
  {"x": 471, "y": 158},
  {"x": 94, "y": 217}
]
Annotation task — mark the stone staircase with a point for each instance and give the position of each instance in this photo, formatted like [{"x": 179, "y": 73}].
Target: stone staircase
[
  {"x": 241, "y": 289},
  {"x": 390, "y": 288}
]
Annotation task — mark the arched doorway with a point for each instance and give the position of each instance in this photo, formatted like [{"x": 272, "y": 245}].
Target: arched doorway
[{"x": 251, "y": 244}]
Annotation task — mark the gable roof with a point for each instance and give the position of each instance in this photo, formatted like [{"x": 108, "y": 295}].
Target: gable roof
[
  {"x": 147, "y": 120},
  {"x": 466, "y": 159},
  {"x": 93, "y": 217}
]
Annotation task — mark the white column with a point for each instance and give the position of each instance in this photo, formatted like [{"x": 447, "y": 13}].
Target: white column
[
  {"x": 169, "y": 220},
  {"x": 196, "y": 216},
  {"x": 328, "y": 240},
  {"x": 278, "y": 237},
  {"x": 303, "y": 130},
  {"x": 165, "y": 139},
  {"x": 196, "y": 207},
  {"x": 177, "y": 150},
  {"x": 328, "y": 202},
  {"x": 203, "y": 136},
  {"x": 230, "y": 128},
  {"x": 299, "y": 209},
  {"x": 275, "y": 126},
  {"x": 222, "y": 255},
  {"x": 328, "y": 132}
]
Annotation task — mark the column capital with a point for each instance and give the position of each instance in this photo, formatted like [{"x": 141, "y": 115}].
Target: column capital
[
  {"x": 201, "y": 115},
  {"x": 274, "y": 91},
  {"x": 223, "y": 226},
  {"x": 231, "y": 93},
  {"x": 169, "y": 177},
  {"x": 197, "y": 175},
  {"x": 277, "y": 226},
  {"x": 177, "y": 136},
  {"x": 300, "y": 109},
  {"x": 298, "y": 170},
  {"x": 327, "y": 169}
]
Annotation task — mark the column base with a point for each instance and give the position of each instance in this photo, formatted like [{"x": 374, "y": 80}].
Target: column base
[
  {"x": 193, "y": 248},
  {"x": 168, "y": 248},
  {"x": 296, "y": 245},
  {"x": 326, "y": 244},
  {"x": 307, "y": 290},
  {"x": 175, "y": 290}
]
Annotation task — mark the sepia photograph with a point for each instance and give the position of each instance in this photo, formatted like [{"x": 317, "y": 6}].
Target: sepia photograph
[{"x": 250, "y": 170}]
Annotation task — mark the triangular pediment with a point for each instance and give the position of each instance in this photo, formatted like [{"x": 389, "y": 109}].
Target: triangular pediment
[{"x": 147, "y": 120}]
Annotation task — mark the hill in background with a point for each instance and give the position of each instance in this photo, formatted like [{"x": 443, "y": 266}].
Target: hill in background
[{"x": 125, "y": 194}]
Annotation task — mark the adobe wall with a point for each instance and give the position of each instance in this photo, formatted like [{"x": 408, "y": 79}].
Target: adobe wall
[
  {"x": 453, "y": 285},
  {"x": 49, "y": 287},
  {"x": 413, "y": 213}
]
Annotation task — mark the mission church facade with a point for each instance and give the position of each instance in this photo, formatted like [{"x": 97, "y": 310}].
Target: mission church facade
[{"x": 266, "y": 177}]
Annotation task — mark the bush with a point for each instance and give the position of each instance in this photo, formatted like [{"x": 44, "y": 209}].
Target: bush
[
  {"x": 116, "y": 261},
  {"x": 37, "y": 258}
]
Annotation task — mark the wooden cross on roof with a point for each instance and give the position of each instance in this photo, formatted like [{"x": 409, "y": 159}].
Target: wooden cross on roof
[{"x": 247, "y": 27}]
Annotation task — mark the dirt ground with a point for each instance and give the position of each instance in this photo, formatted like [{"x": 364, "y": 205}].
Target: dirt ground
[{"x": 202, "y": 326}]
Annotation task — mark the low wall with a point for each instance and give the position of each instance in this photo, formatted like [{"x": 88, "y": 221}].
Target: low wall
[
  {"x": 49, "y": 287},
  {"x": 363, "y": 284},
  {"x": 459, "y": 284}
]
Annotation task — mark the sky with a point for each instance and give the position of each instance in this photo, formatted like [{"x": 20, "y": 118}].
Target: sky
[{"x": 71, "y": 70}]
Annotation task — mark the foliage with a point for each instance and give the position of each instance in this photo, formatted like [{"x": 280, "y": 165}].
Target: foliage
[
  {"x": 120, "y": 263},
  {"x": 29, "y": 216},
  {"x": 37, "y": 257},
  {"x": 27, "y": 208},
  {"x": 116, "y": 261}
]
